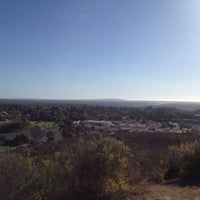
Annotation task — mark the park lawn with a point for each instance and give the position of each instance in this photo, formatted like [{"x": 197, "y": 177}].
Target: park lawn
[{"x": 42, "y": 124}]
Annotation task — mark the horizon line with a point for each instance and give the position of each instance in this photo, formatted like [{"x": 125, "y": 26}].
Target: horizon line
[{"x": 99, "y": 99}]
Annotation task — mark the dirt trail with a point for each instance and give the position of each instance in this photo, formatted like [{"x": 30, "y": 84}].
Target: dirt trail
[{"x": 170, "y": 192}]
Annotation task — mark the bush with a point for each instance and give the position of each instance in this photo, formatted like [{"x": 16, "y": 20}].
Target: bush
[
  {"x": 17, "y": 179},
  {"x": 12, "y": 127},
  {"x": 100, "y": 169},
  {"x": 185, "y": 160},
  {"x": 87, "y": 169},
  {"x": 18, "y": 140}
]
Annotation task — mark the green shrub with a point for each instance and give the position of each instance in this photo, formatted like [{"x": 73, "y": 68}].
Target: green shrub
[
  {"x": 54, "y": 174},
  {"x": 99, "y": 169},
  {"x": 185, "y": 160}
]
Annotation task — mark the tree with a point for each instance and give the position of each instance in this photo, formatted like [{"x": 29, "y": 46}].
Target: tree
[
  {"x": 50, "y": 136},
  {"x": 36, "y": 134},
  {"x": 70, "y": 128}
]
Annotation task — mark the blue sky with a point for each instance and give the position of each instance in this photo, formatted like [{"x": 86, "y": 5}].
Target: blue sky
[{"x": 91, "y": 49}]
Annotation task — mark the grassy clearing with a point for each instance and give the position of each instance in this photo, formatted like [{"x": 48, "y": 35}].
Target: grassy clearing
[
  {"x": 4, "y": 149},
  {"x": 42, "y": 124}
]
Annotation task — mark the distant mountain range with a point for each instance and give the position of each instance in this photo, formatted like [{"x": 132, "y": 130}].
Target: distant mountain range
[{"x": 108, "y": 102}]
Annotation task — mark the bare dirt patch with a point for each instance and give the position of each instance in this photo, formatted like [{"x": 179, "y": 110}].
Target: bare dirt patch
[{"x": 169, "y": 192}]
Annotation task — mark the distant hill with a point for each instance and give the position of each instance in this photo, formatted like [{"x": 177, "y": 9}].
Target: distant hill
[
  {"x": 107, "y": 102},
  {"x": 190, "y": 106},
  {"x": 100, "y": 102}
]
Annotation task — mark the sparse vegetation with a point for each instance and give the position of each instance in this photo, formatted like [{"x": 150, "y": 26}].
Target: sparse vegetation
[
  {"x": 65, "y": 158},
  {"x": 87, "y": 169}
]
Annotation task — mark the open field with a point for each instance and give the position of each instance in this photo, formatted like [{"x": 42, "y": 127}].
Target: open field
[
  {"x": 42, "y": 124},
  {"x": 144, "y": 144},
  {"x": 147, "y": 144}
]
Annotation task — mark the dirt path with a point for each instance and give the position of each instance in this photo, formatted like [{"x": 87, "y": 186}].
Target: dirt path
[{"x": 170, "y": 192}]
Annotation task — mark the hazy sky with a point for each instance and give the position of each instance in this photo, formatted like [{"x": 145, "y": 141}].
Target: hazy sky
[{"x": 83, "y": 49}]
